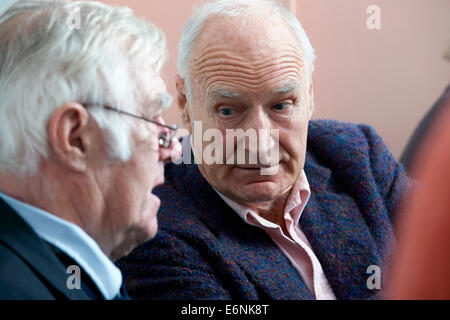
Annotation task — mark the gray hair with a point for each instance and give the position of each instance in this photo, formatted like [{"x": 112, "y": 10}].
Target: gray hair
[
  {"x": 233, "y": 8},
  {"x": 45, "y": 62}
]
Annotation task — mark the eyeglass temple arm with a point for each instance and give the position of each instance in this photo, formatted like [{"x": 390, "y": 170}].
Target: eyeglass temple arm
[{"x": 174, "y": 127}]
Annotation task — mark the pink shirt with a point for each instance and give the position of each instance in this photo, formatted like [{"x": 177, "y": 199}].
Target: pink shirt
[{"x": 296, "y": 247}]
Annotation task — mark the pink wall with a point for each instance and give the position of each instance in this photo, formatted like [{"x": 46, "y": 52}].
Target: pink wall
[{"x": 387, "y": 78}]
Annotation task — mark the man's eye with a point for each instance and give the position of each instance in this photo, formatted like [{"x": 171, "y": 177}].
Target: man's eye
[
  {"x": 226, "y": 112},
  {"x": 281, "y": 106}
]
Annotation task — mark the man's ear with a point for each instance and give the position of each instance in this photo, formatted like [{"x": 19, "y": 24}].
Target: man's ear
[
  {"x": 183, "y": 104},
  {"x": 68, "y": 135}
]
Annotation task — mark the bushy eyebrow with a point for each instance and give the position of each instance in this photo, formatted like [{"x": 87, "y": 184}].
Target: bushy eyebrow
[
  {"x": 224, "y": 93},
  {"x": 163, "y": 101},
  {"x": 231, "y": 94},
  {"x": 287, "y": 87}
]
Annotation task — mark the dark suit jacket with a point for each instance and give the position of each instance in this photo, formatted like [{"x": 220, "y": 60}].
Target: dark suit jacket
[
  {"x": 29, "y": 269},
  {"x": 204, "y": 250}
]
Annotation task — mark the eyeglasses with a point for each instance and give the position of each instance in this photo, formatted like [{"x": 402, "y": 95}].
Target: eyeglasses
[{"x": 165, "y": 139}]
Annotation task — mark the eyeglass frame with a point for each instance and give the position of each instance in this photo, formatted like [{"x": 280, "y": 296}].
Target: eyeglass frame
[{"x": 164, "y": 140}]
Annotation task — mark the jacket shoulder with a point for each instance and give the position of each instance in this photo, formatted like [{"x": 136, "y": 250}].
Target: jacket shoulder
[
  {"x": 356, "y": 156},
  {"x": 341, "y": 133},
  {"x": 341, "y": 144}
]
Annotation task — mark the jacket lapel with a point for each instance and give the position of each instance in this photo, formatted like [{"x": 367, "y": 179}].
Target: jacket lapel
[
  {"x": 19, "y": 236},
  {"x": 338, "y": 234}
]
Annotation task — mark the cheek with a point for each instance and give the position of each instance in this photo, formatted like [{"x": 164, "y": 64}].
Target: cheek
[
  {"x": 151, "y": 169},
  {"x": 293, "y": 142},
  {"x": 142, "y": 171},
  {"x": 219, "y": 176}
]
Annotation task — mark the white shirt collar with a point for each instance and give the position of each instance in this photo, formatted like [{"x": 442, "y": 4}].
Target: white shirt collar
[
  {"x": 5, "y": 5},
  {"x": 74, "y": 242}
]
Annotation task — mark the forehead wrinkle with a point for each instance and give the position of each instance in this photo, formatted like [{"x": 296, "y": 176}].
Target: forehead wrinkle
[
  {"x": 241, "y": 84},
  {"x": 220, "y": 55},
  {"x": 287, "y": 57},
  {"x": 221, "y": 65},
  {"x": 235, "y": 59},
  {"x": 212, "y": 51},
  {"x": 256, "y": 68},
  {"x": 216, "y": 52},
  {"x": 252, "y": 73},
  {"x": 251, "y": 80},
  {"x": 249, "y": 73},
  {"x": 220, "y": 60}
]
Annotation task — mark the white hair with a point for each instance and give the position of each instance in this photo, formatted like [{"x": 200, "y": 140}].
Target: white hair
[
  {"x": 45, "y": 61},
  {"x": 236, "y": 8}
]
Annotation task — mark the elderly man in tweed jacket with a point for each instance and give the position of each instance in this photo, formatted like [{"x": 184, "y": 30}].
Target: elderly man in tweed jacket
[{"x": 314, "y": 222}]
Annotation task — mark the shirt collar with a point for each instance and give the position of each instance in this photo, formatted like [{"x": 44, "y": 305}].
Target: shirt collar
[
  {"x": 295, "y": 204},
  {"x": 74, "y": 242},
  {"x": 5, "y": 5}
]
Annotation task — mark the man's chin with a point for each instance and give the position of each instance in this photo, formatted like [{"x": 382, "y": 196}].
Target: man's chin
[
  {"x": 260, "y": 191},
  {"x": 147, "y": 231},
  {"x": 151, "y": 231},
  {"x": 153, "y": 204}
]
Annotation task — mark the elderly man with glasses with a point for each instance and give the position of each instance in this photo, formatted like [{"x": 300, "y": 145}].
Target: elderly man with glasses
[
  {"x": 77, "y": 163},
  {"x": 314, "y": 222}
]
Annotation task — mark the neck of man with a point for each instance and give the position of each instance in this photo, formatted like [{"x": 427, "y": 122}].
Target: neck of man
[{"x": 58, "y": 194}]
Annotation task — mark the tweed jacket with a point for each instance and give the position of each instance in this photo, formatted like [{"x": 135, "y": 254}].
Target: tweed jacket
[{"x": 204, "y": 250}]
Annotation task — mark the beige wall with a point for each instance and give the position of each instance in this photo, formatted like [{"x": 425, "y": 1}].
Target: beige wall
[{"x": 387, "y": 78}]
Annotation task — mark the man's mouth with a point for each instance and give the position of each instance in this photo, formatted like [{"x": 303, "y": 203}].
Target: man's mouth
[
  {"x": 254, "y": 166},
  {"x": 264, "y": 170},
  {"x": 248, "y": 167},
  {"x": 155, "y": 201},
  {"x": 160, "y": 181}
]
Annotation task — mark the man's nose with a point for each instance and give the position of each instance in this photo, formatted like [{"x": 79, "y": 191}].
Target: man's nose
[
  {"x": 259, "y": 119},
  {"x": 260, "y": 122}
]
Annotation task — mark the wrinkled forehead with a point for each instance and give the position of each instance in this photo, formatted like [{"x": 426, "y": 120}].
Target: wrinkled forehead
[{"x": 254, "y": 47}]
